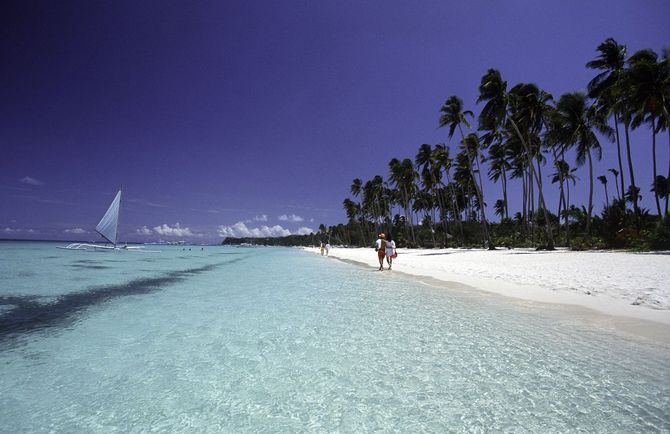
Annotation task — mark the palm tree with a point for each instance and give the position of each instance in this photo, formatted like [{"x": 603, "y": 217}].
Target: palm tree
[
  {"x": 403, "y": 176},
  {"x": 606, "y": 86},
  {"x": 661, "y": 187},
  {"x": 616, "y": 183},
  {"x": 431, "y": 174},
  {"x": 574, "y": 124},
  {"x": 356, "y": 189},
  {"x": 603, "y": 180},
  {"x": 564, "y": 174},
  {"x": 664, "y": 122},
  {"x": 498, "y": 168},
  {"x": 353, "y": 211},
  {"x": 528, "y": 107},
  {"x": 500, "y": 208},
  {"x": 454, "y": 116},
  {"x": 465, "y": 182},
  {"x": 375, "y": 204},
  {"x": 650, "y": 86},
  {"x": 522, "y": 108},
  {"x": 424, "y": 202},
  {"x": 443, "y": 162}
]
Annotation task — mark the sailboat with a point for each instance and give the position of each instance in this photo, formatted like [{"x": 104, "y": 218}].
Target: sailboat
[{"x": 108, "y": 228}]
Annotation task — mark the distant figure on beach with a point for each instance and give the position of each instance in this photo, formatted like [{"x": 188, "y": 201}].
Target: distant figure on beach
[
  {"x": 390, "y": 252},
  {"x": 380, "y": 248},
  {"x": 327, "y": 248},
  {"x": 322, "y": 248}
]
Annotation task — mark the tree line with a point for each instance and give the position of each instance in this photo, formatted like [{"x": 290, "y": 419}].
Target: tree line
[{"x": 436, "y": 198}]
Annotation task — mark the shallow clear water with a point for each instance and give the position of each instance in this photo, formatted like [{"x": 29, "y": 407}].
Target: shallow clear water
[{"x": 280, "y": 340}]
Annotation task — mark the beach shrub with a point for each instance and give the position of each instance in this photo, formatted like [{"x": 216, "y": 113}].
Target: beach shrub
[
  {"x": 660, "y": 238},
  {"x": 613, "y": 221},
  {"x": 581, "y": 242}
]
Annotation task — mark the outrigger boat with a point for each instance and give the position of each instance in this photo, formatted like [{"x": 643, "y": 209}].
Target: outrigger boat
[{"x": 109, "y": 229}]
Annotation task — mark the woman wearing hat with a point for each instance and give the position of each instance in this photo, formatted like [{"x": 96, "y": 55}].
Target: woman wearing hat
[{"x": 380, "y": 248}]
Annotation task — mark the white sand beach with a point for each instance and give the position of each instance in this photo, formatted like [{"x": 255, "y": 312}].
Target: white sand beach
[{"x": 635, "y": 285}]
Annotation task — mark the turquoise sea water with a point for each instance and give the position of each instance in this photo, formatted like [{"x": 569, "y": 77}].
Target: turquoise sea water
[{"x": 280, "y": 340}]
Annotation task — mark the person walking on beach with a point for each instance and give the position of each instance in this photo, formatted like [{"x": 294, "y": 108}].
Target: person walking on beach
[
  {"x": 380, "y": 248},
  {"x": 321, "y": 249},
  {"x": 390, "y": 252},
  {"x": 327, "y": 248}
]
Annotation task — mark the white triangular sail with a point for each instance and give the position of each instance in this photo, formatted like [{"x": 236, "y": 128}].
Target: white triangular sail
[{"x": 108, "y": 226}]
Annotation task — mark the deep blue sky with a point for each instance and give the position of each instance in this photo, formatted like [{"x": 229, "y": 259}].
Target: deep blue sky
[{"x": 220, "y": 113}]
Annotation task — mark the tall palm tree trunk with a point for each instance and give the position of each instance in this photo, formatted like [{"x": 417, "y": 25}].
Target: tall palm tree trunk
[
  {"x": 667, "y": 196},
  {"x": 567, "y": 216},
  {"x": 590, "y": 209},
  {"x": 440, "y": 204},
  {"x": 482, "y": 205},
  {"x": 561, "y": 195},
  {"x": 360, "y": 227},
  {"x": 616, "y": 184},
  {"x": 618, "y": 151},
  {"x": 636, "y": 210},
  {"x": 539, "y": 174},
  {"x": 550, "y": 236},
  {"x": 653, "y": 156},
  {"x": 409, "y": 227},
  {"x": 524, "y": 208},
  {"x": 561, "y": 199},
  {"x": 455, "y": 208},
  {"x": 480, "y": 196},
  {"x": 504, "y": 187}
]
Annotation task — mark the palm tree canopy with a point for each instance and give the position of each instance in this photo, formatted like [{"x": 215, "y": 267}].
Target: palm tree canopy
[
  {"x": 498, "y": 161},
  {"x": 611, "y": 61},
  {"x": 425, "y": 156},
  {"x": 650, "y": 87},
  {"x": 471, "y": 145},
  {"x": 529, "y": 106},
  {"x": 661, "y": 186},
  {"x": 573, "y": 123},
  {"x": 453, "y": 114},
  {"x": 356, "y": 187},
  {"x": 441, "y": 156},
  {"x": 493, "y": 90}
]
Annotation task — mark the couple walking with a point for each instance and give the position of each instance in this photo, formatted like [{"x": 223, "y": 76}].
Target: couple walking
[{"x": 385, "y": 248}]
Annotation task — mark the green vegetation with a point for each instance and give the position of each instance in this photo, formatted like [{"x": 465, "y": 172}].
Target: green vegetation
[
  {"x": 520, "y": 131},
  {"x": 436, "y": 199}
]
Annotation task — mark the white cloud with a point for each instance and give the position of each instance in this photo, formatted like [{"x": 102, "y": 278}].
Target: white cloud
[
  {"x": 311, "y": 220},
  {"x": 304, "y": 231},
  {"x": 173, "y": 231},
  {"x": 144, "y": 231},
  {"x": 30, "y": 181},
  {"x": 290, "y": 218},
  {"x": 240, "y": 229},
  {"x": 261, "y": 218},
  {"x": 9, "y": 230},
  {"x": 75, "y": 231}
]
